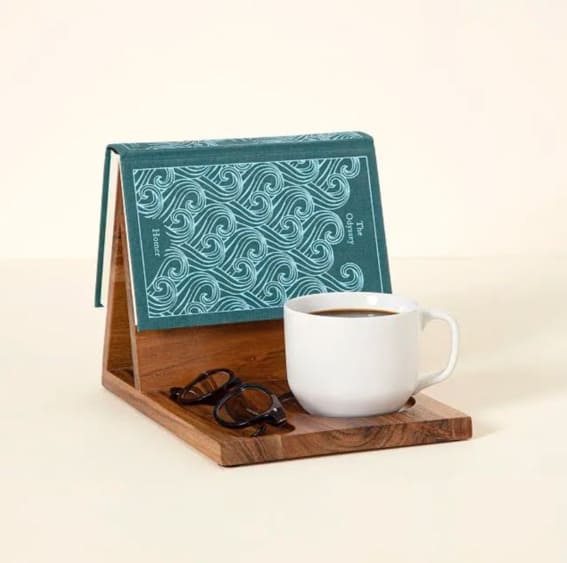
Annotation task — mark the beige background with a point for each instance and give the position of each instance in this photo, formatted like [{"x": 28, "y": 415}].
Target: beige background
[
  {"x": 84, "y": 478},
  {"x": 466, "y": 101}
]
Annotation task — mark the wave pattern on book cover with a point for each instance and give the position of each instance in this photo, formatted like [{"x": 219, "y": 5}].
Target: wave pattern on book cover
[{"x": 247, "y": 235}]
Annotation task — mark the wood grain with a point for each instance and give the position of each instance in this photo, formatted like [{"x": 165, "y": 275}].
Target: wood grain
[
  {"x": 117, "y": 347},
  {"x": 140, "y": 367},
  {"x": 428, "y": 422}
]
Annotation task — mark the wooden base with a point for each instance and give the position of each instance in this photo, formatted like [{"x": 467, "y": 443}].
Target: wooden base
[
  {"x": 427, "y": 421},
  {"x": 140, "y": 367}
]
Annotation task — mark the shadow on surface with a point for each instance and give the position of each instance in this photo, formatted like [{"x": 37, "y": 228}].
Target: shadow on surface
[{"x": 513, "y": 320}]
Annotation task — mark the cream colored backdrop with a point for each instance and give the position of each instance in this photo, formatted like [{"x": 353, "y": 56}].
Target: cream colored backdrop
[{"x": 466, "y": 101}]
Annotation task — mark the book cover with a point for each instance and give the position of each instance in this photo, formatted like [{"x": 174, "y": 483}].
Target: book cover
[{"x": 226, "y": 231}]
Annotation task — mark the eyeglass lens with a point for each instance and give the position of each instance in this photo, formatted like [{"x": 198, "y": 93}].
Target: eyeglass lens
[
  {"x": 213, "y": 381},
  {"x": 245, "y": 405}
]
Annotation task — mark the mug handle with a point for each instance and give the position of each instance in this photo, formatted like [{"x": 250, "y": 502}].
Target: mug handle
[{"x": 429, "y": 379}]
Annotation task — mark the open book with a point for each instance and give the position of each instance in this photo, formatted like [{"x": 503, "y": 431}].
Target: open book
[{"x": 225, "y": 231}]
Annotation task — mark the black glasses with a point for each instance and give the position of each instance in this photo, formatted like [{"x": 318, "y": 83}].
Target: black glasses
[{"x": 236, "y": 404}]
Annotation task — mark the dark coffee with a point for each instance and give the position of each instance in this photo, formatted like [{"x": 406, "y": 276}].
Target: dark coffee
[{"x": 353, "y": 313}]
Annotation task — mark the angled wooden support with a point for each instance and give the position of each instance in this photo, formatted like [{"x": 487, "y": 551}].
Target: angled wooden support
[{"x": 140, "y": 367}]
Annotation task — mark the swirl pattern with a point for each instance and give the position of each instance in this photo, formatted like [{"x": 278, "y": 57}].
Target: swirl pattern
[{"x": 246, "y": 236}]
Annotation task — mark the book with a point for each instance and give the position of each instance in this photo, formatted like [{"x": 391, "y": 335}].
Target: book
[{"x": 225, "y": 231}]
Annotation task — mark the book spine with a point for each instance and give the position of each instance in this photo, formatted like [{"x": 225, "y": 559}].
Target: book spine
[{"x": 102, "y": 227}]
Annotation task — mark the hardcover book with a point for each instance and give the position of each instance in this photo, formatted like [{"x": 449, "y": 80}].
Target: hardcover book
[{"x": 225, "y": 231}]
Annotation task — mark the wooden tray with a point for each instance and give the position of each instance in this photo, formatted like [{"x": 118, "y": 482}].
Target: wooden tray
[
  {"x": 140, "y": 367},
  {"x": 427, "y": 421}
]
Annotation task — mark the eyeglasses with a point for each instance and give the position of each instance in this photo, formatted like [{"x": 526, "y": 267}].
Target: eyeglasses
[{"x": 236, "y": 404}]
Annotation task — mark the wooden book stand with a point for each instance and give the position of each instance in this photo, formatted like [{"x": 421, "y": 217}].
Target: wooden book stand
[{"x": 140, "y": 367}]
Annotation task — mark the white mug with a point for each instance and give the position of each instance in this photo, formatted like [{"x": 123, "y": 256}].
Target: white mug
[{"x": 358, "y": 366}]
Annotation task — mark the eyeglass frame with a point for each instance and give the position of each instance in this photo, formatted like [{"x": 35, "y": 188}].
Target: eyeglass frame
[{"x": 275, "y": 415}]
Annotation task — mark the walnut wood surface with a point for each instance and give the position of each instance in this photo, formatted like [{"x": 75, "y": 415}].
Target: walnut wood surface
[
  {"x": 117, "y": 344},
  {"x": 140, "y": 367},
  {"x": 428, "y": 421}
]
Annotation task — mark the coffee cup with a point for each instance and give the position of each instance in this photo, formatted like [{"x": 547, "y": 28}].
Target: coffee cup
[{"x": 357, "y": 353}]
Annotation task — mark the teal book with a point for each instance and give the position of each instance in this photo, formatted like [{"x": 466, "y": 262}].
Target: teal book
[{"x": 225, "y": 231}]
